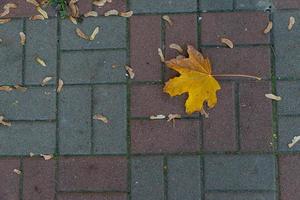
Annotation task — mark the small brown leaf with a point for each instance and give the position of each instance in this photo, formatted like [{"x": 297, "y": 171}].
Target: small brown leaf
[
  {"x": 4, "y": 21},
  {"x": 204, "y": 113},
  {"x": 176, "y": 47},
  {"x": 6, "y": 88},
  {"x": 154, "y": 117},
  {"x": 22, "y": 38},
  {"x": 111, "y": 12},
  {"x": 4, "y": 122},
  {"x": 99, "y": 3},
  {"x": 82, "y": 34},
  {"x": 161, "y": 55},
  {"x": 42, "y": 12},
  {"x": 126, "y": 14},
  {"x": 268, "y": 28},
  {"x": 292, "y": 22},
  {"x": 7, "y": 8},
  {"x": 294, "y": 141},
  {"x": 167, "y": 19},
  {"x": 273, "y": 97},
  {"x": 101, "y": 118},
  {"x": 47, "y": 157},
  {"x": 33, "y": 2},
  {"x": 74, "y": 8},
  {"x": 20, "y": 88},
  {"x": 228, "y": 42},
  {"x": 130, "y": 72},
  {"x": 60, "y": 86},
  {"x": 173, "y": 117},
  {"x": 73, "y": 20},
  {"x": 95, "y": 32},
  {"x": 17, "y": 171},
  {"x": 36, "y": 17},
  {"x": 91, "y": 14},
  {"x": 46, "y": 80},
  {"x": 40, "y": 61}
]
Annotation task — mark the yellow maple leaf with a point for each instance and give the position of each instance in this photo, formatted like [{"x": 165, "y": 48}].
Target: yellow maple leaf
[{"x": 195, "y": 79}]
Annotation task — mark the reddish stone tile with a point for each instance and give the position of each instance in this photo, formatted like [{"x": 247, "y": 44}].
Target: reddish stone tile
[
  {"x": 241, "y": 60},
  {"x": 157, "y": 136},
  {"x": 255, "y": 116},
  {"x": 119, "y": 5},
  {"x": 9, "y": 182},
  {"x": 147, "y": 100},
  {"x": 93, "y": 174},
  {"x": 286, "y": 4},
  {"x": 92, "y": 196},
  {"x": 239, "y": 27},
  {"x": 289, "y": 175},
  {"x": 220, "y": 128},
  {"x": 145, "y": 35},
  {"x": 84, "y": 6}
]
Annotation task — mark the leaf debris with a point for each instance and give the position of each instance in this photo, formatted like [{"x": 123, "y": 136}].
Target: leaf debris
[
  {"x": 294, "y": 141},
  {"x": 130, "y": 72},
  {"x": 74, "y": 8},
  {"x": 176, "y": 47},
  {"x": 6, "y": 88},
  {"x": 7, "y": 8},
  {"x": 17, "y": 171},
  {"x": 82, "y": 34},
  {"x": 20, "y": 88},
  {"x": 33, "y": 2},
  {"x": 111, "y": 13},
  {"x": 292, "y": 22},
  {"x": 268, "y": 28},
  {"x": 126, "y": 14},
  {"x": 4, "y": 122},
  {"x": 172, "y": 117},
  {"x": 204, "y": 113},
  {"x": 273, "y": 97},
  {"x": 95, "y": 32},
  {"x": 46, "y": 80},
  {"x": 47, "y": 156},
  {"x": 154, "y": 117},
  {"x": 40, "y": 61},
  {"x": 167, "y": 19},
  {"x": 73, "y": 20},
  {"x": 161, "y": 55},
  {"x": 101, "y": 118},
  {"x": 4, "y": 21},
  {"x": 228, "y": 42},
  {"x": 99, "y": 3},
  {"x": 90, "y": 14},
  {"x": 60, "y": 86},
  {"x": 42, "y": 12},
  {"x": 37, "y": 17},
  {"x": 22, "y": 38}
]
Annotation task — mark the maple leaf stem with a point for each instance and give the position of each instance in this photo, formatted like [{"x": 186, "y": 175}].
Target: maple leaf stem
[{"x": 236, "y": 75}]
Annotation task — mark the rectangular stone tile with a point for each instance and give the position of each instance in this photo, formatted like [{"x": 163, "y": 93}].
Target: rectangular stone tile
[
  {"x": 118, "y": 5},
  {"x": 110, "y": 101},
  {"x": 93, "y": 66},
  {"x": 75, "y": 120},
  {"x": 41, "y": 41},
  {"x": 11, "y": 53},
  {"x": 254, "y": 61},
  {"x": 112, "y": 33},
  {"x": 219, "y": 130},
  {"x": 38, "y": 179},
  {"x": 9, "y": 182},
  {"x": 263, "y": 5},
  {"x": 25, "y": 137},
  {"x": 289, "y": 177},
  {"x": 241, "y": 196},
  {"x": 160, "y": 136},
  {"x": 92, "y": 196},
  {"x": 212, "y": 5},
  {"x": 145, "y": 33},
  {"x": 288, "y": 128},
  {"x": 287, "y": 45},
  {"x": 239, "y": 27},
  {"x": 163, "y": 6},
  {"x": 280, "y": 4},
  {"x": 255, "y": 116},
  {"x": 184, "y": 178},
  {"x": 236, "y": 172},
  {"x": 289, "y": 91},
  {"x": 93, "y": 174},
  {"x": 147, "y": 178},
  {"x": 36, "y": 103}
]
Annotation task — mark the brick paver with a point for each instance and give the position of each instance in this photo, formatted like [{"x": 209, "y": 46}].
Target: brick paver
[{"x": 240, "y": 152}]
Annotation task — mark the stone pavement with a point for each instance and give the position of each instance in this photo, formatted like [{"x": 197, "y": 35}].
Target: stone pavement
[{"x": 239, "y": 153}]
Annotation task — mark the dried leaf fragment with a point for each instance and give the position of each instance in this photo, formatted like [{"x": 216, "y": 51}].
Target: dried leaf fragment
[
  {"x": 31, "y": 154},
  {"x": 294, "y": 141},
  {"x": 42, "y": 12},
  {"x": 60, "y": 86},
  {"x": 157, "y": 117},
  {"x": 47, "y": 156},
  {"x": 36, "y": 17},
  {"x": 101, "y": 118},
  {"x": 167, "y": 19},
  {"x": 73, "y": 20},
  {"x": 268, "y": 28},
  {"x": 33, "y": 2},
  {"x": 7, "y": 8},
  {"x": 176, "y": 47},
  {"x": 161, "y": 55},
  {"x": 111, "y": 13},
  {"x": 90, "y": 14},
  {"x": 17, "y": 171},
  {"x": 95, "y": 32},
  {"x": 4, "y": 21},
  {"x": 130, "y": 72},
  {"x": 82, "y": 34},
  {"x": 228, "y": 42},
  {"x": 6, "y": 88},
  {"x": 22, "y": 38},
  {"x": 4, "y": 122},
  {"x": 204, "y": 113},
  {"x": 99, "y": 3},
  {"x": 126, "y": 14},
  {"x": 273, "y": 97},
  {"x": 74, "y": 8},
  {"x": 46, "y": 80},
  {"x": 292, "y": 22},
  {"x": 173, "y": 117},
  {"x": 20, "y": 88},
  {"x": 40, "y": 61}
]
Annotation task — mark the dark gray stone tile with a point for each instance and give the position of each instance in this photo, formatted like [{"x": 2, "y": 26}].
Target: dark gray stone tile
[
  {"x": 241, "y": 196},
  {"x": 254, "y": 5},
  {"x": 290, "y": 94},
  {"x": 288, "y": 127},
  {"x": 210, "y": 5}
]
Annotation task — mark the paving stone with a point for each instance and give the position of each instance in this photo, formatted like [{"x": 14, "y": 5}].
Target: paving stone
[
  {"x": 110, "y": 138},
  {"x": 84, "y": 6},
  {"x": 41, "y": 41},
  {"x": 163, "y": 6},
  {"x": 9, "y": 182},
  {"x": 255, "y": 117},
  {"x": 279, "y": 4},
  {"x": 38, "y": 179},
  {"x": 143, "y": 48},
  {"x": 147, "y": 100},
  {"x": 289, "y": 91},
  {"x": 254, "y": 61},
  {"x": 289, "y": 177},
  {"x": 93, "y": 174},
  {"x": 219, "y": 130},
  {"x": 184, "y": 181},
  {"x": 93, "y": 66},
  {"x": 118, "y": 5},
  {"x": 212, "y": 5},
  {"x": 238, "y": 173},
  {"x": 147, "y": 178},
  {"x": 75, "y": 120},
  {"x": 254, "y": 5},
  {"x": 160, "y": 136},
  {"x": 11, "y": 53},
  {"x": 239, "y": 27},
  {"x": 241, "y": 196},
  {"x": 92, "y": 196},
  {"x": 287, "y": 45},
  {"x": 25, "y": 137},
  {"x": 112, "y": 33},
  {"x": 288, "y": 128},
  {"x": 37, "y": 103}
]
